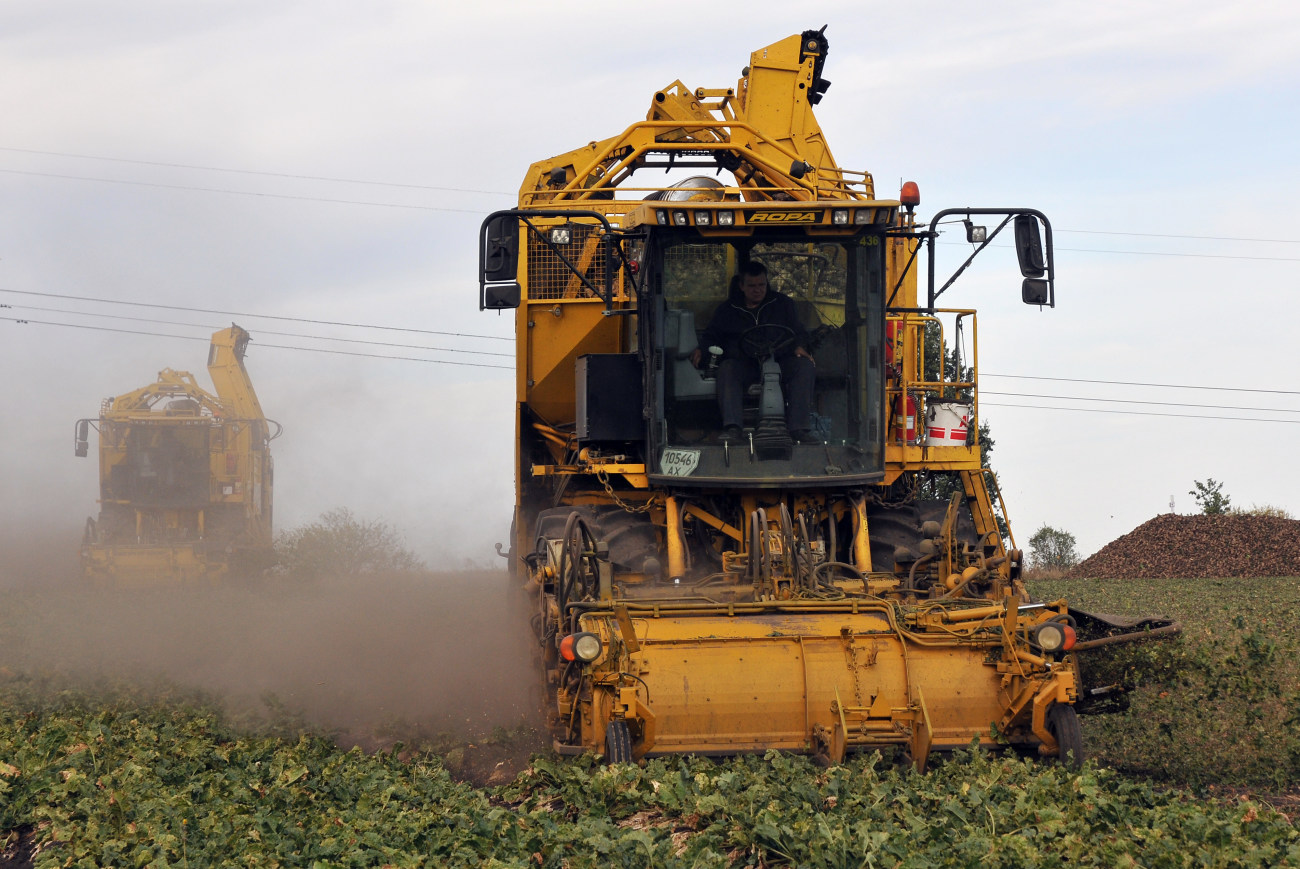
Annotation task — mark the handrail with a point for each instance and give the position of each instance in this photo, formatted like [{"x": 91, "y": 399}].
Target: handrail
[{"x": 607, "y": 164}]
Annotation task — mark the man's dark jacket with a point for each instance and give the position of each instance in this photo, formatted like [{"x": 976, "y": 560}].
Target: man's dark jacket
[{"x": 732, "y": 319}]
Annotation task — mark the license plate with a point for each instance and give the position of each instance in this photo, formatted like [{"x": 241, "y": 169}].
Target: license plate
[{"x": 679, "y": 463}]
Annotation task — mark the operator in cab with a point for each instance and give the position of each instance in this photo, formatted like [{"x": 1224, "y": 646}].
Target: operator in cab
[{"x": 752, "y": 304}]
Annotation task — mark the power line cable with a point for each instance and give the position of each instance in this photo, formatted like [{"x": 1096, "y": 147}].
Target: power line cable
[
  {"x": 984, "y": 374},
  {"x": 1140, "y": 401},
  {"x": 504, "y": 338},
  {"x": 955, "y": 221},
  {"x": 327, "y": 178},
  {"x": 510, "y": 355},
  {"x": 480, "y": 211},
  {"x": 260, "y": 316},
  {"x": 1139, "y": 413},
  {"x": 1172, "y": 235},
  {"x": 24, "y": 321},
  {"x": 209, "y": 327},
  {"x": 254, "y": 172},
  {"x": 1282, "y": 259},
  {"x": 511, "y": 368},
  {"x": 381, "y": 356},
  {"x": 242, "y": 192}
]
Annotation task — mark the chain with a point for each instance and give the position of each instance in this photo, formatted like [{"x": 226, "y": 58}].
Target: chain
[
  {"x": 851, "y": 653},
  {"x": 604, "y": 481}
]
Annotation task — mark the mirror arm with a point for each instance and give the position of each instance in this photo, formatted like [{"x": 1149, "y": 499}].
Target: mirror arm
[
  {"x": 935, "y": 294},
  {"x": 1009, "y": 213},
  {"x": 524, "y": 215}
]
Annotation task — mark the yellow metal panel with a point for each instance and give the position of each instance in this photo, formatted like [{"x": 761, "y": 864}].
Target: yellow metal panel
[
  {"x": 558, "y": 333},
  {"x": 960, "y": 691},
  {"x": 727, "y": 694},
  {"x": 898, "y": 256},
  {"x": 758, "y": 682}
]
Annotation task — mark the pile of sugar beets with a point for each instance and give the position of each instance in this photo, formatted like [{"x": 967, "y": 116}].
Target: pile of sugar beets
[{"x": 1193, "y": 547}]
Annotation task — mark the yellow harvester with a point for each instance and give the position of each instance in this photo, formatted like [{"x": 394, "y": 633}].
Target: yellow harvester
[
  {"x": 184, "y": 476},
  {"x": 712, "y": 593}
]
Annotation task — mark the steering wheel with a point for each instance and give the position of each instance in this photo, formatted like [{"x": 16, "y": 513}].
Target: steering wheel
[{"x": 764, "y": 340}]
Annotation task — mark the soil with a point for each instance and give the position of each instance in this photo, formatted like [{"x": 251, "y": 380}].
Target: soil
[
  {"x": 19, "y": 850},
  {"x": 1199, "y": 547}
]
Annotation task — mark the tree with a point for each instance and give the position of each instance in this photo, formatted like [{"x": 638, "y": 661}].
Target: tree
[
  {"x": 339, "y": 545},
  {"x": 1052, "y": 549},
  {"x": 1209, "y": 496}
]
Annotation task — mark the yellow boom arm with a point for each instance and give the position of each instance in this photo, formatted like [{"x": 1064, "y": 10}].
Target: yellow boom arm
[{"x": 226, "y": 367}]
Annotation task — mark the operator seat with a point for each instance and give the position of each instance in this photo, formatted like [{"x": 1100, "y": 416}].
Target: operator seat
[{"x": 680, "y": 340}]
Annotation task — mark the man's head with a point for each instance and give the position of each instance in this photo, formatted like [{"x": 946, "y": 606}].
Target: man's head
[{"x": 753, "y": 283}]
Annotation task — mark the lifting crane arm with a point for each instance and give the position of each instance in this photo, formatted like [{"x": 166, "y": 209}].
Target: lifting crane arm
[{"x": 763, "y": 131}]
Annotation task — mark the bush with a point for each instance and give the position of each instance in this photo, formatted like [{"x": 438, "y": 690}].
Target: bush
[
  {"x": 339, "y": 545},
  {"x": 1052, "y": 550},
  {"x": 1267, "y": 510}
]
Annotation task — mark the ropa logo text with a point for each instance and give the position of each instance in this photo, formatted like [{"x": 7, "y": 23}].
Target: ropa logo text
[{"x": 784, "y": 217}]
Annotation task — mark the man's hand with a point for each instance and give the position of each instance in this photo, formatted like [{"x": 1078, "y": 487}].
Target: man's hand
[
  {"x": 696, "y": 356},
  {"x": 799, "y": 351}
]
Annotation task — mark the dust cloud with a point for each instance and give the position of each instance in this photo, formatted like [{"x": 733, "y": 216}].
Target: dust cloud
[{"x": 373, "y": 659}]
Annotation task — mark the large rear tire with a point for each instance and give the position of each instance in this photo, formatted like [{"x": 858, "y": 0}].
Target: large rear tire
[
  {"x": 618, "y": 742},
  {"x": 890, "y": 529},
  {"x": 1063, "y": 722}
]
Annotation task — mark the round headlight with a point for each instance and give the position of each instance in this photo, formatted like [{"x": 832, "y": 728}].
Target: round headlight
[
  {"x": 1050, "y": 637},
  {"x": 587, "y": 647},
  {"x": 584, "y": 647}
]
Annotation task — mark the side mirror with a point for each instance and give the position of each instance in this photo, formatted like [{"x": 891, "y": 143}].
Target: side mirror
[
  {"x": 1034, "y": 291},
  {"x": 1036, "y": 260},
  {"x": 499, "y": 263},
  {"x": 83, "y": 438},
  {"x": 500, "y": 249},
  {"x": 1029, "y": 247},
  {"x": 501, "y": 296}
]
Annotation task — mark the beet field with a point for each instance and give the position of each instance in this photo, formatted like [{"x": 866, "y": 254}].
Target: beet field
[{"x": 232, "y": 735}]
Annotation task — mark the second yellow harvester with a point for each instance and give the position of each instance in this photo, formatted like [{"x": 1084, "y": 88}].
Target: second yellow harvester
[{"x": 185, "y": 477}]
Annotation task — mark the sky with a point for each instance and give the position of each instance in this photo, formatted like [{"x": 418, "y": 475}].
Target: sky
[{"x": 317, "y": 171}]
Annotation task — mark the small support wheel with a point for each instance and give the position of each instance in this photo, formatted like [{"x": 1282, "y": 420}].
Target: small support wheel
[
  {"x": 1063, "y": 722},
  {"x": 618, "y": 742}
]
